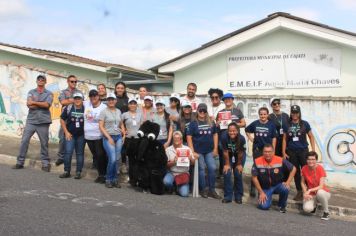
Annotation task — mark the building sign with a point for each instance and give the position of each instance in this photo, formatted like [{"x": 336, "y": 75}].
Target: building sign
[{"x": 300, "y": 69}]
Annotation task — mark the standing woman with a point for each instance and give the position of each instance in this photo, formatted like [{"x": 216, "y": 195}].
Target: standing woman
[
  {"x": 295, "y": 144},
  {"x": 203, "y": 141},
  {"x": 234, "y": 151},
  {"x": 132, "y": 121},
  {"x": 185, "y": 117},
  {"x": 161, "y": 117},
  {"x": 113, "y": 130},
  {"x": 260, "y": 132},
  {"x": 173, "y": 110}
]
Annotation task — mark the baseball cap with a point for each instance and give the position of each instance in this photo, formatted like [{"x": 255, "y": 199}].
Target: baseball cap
[
  {"x": 41, "y": 77},
  {"x": 227, "y": 95},
  {"x": 148, "y": 98},
  {"x": 132, "y": 100},
  {"x": 111, "y": 95},
  {"x": 186, "y": 103},
  {"x": 295, "y": 109},
  {"x": 160, "y": 101},
  {"x": 175, "y": 95},
  {"x": 274, "y": 99},
  {"x": 202, "y": 106},
  {"x": 78, "y": 95},
  {"x": 93, "y": 93}
]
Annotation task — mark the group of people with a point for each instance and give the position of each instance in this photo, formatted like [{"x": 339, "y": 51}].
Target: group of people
[{"x": 200, "y": 132}]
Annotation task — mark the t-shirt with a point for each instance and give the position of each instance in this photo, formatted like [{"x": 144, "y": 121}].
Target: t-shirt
[
  {"x": 132, "y": 123},
  {"x": 111, "y": 120},
  {"x": 163, "y": 132},
  {"x": 264, "y": 133},
  {"x": 312, "y": 177},
  {"x": 236, "y": 115},
  {"x": 171, "y": 155},
  {"x": 148, "y": 115},
  {"x": 229, "y": 145},
  {"x": 202, "y": 134},
  {"x": 194, "y": 102},
  {"x": 122, "y": 104},
  {"x": 279, "y": 120},
  {"x": 37, "y": 116},
  {"x": 184, "y": 129},
  {"x": 297, "y": 135},
  {"x": 91, "y": 121},
  {"x": 74, "y": 119},
  {"x": 213, "y": 111}
]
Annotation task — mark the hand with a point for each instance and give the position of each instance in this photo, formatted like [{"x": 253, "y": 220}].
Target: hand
[
  {"x": 68, "y": 136},
  {"x": 287, "y": 185},
  {"x": 285, "y": 156},
  {"x": 29, "y": 103},
  {"x": 239, "y": 168},
  {"x": 226, "y": 169},
  {"x": 262, "y": 198},
  {"x": 307, "y": 196},
  {"x": 215, "y": 152},
  {"x": 71, "y": 100},
  {"x": 111, "y": 141},
  {"x": 196, "y": 155}
]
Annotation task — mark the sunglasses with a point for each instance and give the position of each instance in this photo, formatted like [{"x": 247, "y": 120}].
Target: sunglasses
[
  {"x": 41, "y": 79},
  {"x": 202, "y": 111},
  {"x": 276, "y": 103},
  {"x": 73, "y": 81}
]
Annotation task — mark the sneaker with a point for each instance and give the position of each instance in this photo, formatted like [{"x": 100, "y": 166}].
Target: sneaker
[
  {"x": 214, "y": 195},
  {"x": 313, "y": 211},
  {"x": 100, "y": 179},
  {"x": 282, "y": 210},
  {"x": 108, "y": 185},
  {"x": 238, "y": 201},
  {"x": 326, "y": 216},
  {"x": 204, "y": 193},
  {"x": 59, "y": 162},
  {"x": 46, "y": 168},
  {"x": 78, "y": 175},
  {"x": 226, "y": 201},
  {"x": 17, "y": 167},
  {"x": 299, "y": 196},
  {"x": 65, "y": 175}
]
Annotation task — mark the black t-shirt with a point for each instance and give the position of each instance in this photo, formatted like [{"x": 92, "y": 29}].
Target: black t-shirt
[
  {"x": 122, "y": 104},
  {"x": 279, "y": 120},
  {"x": 74, "y": 119}
]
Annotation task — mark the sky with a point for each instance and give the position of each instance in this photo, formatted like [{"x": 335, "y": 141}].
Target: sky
[{"x": 145, "y": 33}]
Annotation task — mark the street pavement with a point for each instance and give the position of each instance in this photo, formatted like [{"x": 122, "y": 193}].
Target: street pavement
[{"x": 34, "y": 202}]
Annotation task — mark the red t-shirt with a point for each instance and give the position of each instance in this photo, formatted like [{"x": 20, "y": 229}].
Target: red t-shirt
[{"x": 312, "y": 177}]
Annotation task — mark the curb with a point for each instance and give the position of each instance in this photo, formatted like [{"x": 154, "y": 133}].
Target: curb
[{"x": 90, "y": 174}]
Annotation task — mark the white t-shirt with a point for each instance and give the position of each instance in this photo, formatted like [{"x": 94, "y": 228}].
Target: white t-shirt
[
  {"x": 91, "y": 121},
  {"x": 171, "y": 154},
  {"x": 194, "y": 103},
  {"x": 213, "y": 111}
]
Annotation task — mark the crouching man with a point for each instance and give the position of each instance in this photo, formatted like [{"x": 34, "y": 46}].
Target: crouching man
[{"x": 268, "y": 175}]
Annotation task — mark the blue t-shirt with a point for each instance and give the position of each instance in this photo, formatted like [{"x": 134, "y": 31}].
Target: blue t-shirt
[
  {"x": 297, "y": 135},
  {"x": 74, "y": 119},
  {"x": 264, "y": 133},
  {"x": 202, "y": 134}
]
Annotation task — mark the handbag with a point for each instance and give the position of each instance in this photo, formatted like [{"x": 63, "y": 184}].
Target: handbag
[{"x": 181, "y": 179}]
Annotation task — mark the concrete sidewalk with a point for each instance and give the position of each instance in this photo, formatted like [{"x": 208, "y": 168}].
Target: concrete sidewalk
[{"x": 342, "y": 202}]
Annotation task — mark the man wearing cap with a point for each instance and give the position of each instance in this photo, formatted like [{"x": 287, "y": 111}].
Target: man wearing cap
[
  {"x": 191, "y": 91},
  {"x": 66, "y": 98},
  {"x": 72, "y": 122},
  {"x": 279, "y": 118},
  {"x": 93, "y": 136},
  {"x": 148, "y": 110},
  {"x": 38, "y": 120}
]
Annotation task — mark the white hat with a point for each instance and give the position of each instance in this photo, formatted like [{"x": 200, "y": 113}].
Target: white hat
[
  {"x": 273, "y": 99},
  {"x": 175, "y": 95},
  {"x": 185, "y": 103},
  {"x": 148, "y": 98},
  {"x": 160, "y": 101},
  {"x": 78, "y": 95},
  {"x": 132, "y": 100},
  {"x": 111, "y": 95}
]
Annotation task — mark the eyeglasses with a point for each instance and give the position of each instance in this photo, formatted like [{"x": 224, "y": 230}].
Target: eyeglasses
[
  {"x": 202, "y": 111},
  {"x": 73, "y": 81},
  {"x": 276, "y": 103},
  {"x": 214, "y": 97}
]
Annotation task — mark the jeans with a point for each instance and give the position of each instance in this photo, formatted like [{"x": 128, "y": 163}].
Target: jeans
[
  {"x": 168, "y": 181},
  {"x": 99, "y": 154},
  {"x": 207, "y": 160},
  {"x": 236, "y": 189},
  {"x": 114, "y": 155},
  {"x": 78, "y": 144},
  {"x": 278, "y": 189}
]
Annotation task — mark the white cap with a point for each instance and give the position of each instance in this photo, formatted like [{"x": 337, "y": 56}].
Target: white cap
[
  {"x": 175, "y": 95},
  {"x": 273, "y": 99},
  {"x": 148, "y": 98},
  {"x": 160, "y": 101},
  {"x": 132, "y": 100},
  {"x": 78, "y": 95},
  {"x": 111, "y": 95},
  {"x": 185, "y": 103}
]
